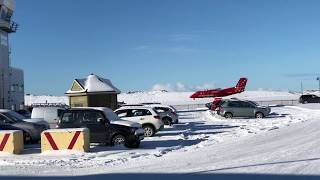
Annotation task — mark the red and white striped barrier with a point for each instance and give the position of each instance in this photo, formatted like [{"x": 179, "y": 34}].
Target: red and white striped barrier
[
  {"x": 11, "y": 141},
  {"x": 65, "y": 139}
]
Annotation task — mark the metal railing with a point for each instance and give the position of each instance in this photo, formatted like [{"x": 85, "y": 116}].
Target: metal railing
[
  {"x": 8, "y": 26},
  {"x": 278, "y": 102},
  {"x": 189, "y": 106},
  {"x": 49, "y": 105}
]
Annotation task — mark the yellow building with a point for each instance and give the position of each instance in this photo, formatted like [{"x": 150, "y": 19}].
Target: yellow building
[{"x": 93, "y": 91}]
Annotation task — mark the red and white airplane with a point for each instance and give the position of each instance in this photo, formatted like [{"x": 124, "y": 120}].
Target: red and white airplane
[{"x": 239, "y": 88}]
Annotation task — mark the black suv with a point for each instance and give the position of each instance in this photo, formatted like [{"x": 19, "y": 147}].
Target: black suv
[
  {"x": 309, "y": 98},
  {"x": 104, "y": 125}
]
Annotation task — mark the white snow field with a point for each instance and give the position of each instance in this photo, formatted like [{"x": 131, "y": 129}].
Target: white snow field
[
  {"x": 171, "y": 98},
  {"x": 287, "y": 142},
  {"x": 203, "y": 145}
]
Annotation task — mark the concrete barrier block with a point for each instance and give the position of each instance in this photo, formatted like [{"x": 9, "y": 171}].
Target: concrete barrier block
[
  {"x": 65, "y": 139},
  {"x": 11, "y": 141}
]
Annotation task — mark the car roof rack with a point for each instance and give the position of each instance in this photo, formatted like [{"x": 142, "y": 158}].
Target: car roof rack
[{"x": 150, "y": 103}]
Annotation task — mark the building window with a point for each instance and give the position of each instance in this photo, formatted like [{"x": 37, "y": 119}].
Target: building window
[
  {"x": 21, "y": 88},
  {"x": 5, "y": 14},
  {"x": 78, "y": 105}
]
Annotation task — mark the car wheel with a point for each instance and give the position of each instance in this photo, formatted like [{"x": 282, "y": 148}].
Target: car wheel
[
  {"x": 167, "y": 121},
  {"x": 259, "y": 115},
  {"x": 228, "y": 115},
  {"x": 118, "y": 140},
  {"x": 148, "y": 131}
]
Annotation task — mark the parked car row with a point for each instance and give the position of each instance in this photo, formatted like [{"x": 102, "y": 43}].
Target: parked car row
[
  {"x": 168, "y": 113},
  {"x": 127, "y": 125}
]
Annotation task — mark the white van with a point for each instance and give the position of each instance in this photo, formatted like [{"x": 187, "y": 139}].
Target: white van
[{"x": 49, "y": 114}]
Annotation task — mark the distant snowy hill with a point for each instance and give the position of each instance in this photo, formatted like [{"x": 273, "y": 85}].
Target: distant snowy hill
[{"x": 172, "y": 98}]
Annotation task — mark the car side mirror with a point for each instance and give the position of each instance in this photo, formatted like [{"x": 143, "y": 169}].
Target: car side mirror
[{"x": 100, "y": 120}]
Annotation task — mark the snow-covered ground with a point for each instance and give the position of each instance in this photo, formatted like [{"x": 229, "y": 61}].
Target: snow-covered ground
[
  {"x": 171, "y": 98},
  {"x": 284, "y": 143},
  {"x": 183, "y": 98}
]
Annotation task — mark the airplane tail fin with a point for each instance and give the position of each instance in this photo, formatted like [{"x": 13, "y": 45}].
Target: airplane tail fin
[{"x": 241, "y": 84}]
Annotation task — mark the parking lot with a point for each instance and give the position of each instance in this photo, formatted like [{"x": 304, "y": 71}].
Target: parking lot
[{"x": 197, "y": 129}]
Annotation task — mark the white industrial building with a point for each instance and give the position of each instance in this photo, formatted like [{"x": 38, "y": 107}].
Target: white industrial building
[{"x": 11, "y": 79}]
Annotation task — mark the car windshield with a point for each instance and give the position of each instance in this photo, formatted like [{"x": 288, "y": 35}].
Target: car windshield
[
  {"x": 14, "y": 116},
  {"x": 161, "y": 109},
  {"x": 223, "y": 103},
  {"x": 111, "y": 116},
  {"x": 173, "y": 108},
  {"x": 254, "y": 103}
]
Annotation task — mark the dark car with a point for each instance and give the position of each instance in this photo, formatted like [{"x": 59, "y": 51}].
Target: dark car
[
  {"x": 13, "y": 119},
  {"x": 104, "y": 125},
  {"x": 309, "y": 98},
  {"x": 26, "y": 136}
]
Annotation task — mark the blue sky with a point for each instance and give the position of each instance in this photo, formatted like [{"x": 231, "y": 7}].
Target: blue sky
[{"x": 138, "y": 44}]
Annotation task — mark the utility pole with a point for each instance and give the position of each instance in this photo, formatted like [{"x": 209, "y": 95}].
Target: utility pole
[{"x": 318, "y": 79}]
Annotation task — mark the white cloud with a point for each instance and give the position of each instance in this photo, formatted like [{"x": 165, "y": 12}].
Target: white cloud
[
  {"x": 160, "y": 87},
  {"x": 205, "y": 86},
  {"x": 180, "y": 87}
]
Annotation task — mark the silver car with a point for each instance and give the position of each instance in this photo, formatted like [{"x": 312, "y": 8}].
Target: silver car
[
  {"x": 169, "y": 113},
  {"x": 239, "y": 108}
]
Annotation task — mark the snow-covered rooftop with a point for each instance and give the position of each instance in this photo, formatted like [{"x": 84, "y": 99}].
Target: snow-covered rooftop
[{"x": 94, "y": 83}]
